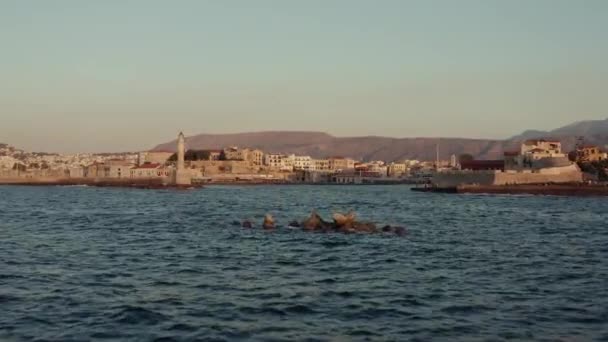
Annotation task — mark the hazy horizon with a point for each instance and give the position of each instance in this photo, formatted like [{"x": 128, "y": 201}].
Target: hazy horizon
[{"x": 126, "y": 76}]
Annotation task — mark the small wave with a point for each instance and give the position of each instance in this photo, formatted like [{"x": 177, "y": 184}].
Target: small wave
[
  {"x": 165, "y": 339},
  {"x": 362, "y": 333},
  {"x": 289, "y": 263},
  {"x": 465, "y": 309},
  {"x": 299, "y": 309},
  {"x": 335, "y": 243},
  {"x": 166, "y": 283},
  {"x": 11, "y": 276},
  {"x": 187, "y": 271},
  {"x": 262, "y": 311},
  {"x": 7, "y": 298},
  {"x": 182, "y": 327},
  {"x": 327, "y": 281},
  {"x": 138, "y": 315},
  {"x": 329, "y": 259}
]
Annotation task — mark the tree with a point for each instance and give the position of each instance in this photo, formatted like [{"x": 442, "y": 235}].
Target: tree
[
  {"x": 19, "y": 167},
  {"x": 465, "y": 158}
]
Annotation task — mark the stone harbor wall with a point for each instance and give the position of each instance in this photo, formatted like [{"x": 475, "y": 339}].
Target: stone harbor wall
[{"x": 566, "y": 174}]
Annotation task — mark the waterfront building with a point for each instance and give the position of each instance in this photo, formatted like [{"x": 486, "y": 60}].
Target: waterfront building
[
  {"x": 341, "y": 163},
  {"x": 112, "y": 168},
  {"x": 253, "y": 156},
  {"x": 153, "y": 157},
  {"x": 233, "y": 153},
  {"x": 538, "y": 161},
  {"x": 397, "y": 169},
  {"x": 302, "y": 163},
  {"x": 320, "y": 165},
  {"x": 589, "y": 153},
  {"x": 215, "y": 154},
  {"x": 542, "y": 148},
  {"x": 280, "y": 162},
  {"x": 150, "y": 170},
  {"x": 535, "y": 154}
]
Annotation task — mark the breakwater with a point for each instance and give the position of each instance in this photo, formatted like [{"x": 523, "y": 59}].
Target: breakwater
[
  {"x": 530, "y": 189},
  {"x": 152, "y": 183}
]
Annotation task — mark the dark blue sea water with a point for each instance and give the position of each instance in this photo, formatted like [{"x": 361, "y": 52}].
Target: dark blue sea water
[{"x": 80, "y": 264}]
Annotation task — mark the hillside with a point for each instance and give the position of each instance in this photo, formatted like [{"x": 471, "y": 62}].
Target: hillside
[{"x": 319, "y": 145}]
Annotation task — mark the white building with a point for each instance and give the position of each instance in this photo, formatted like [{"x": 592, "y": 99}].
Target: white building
[
  {"x": 541, "y": 148},
  {"x": 149, "y": 170},
  {"x": 397, "y": 169},
  {"x": 302, "y": 163},
  {"x": 280, "y": 162},
  {"x": 320, "y": 165}
]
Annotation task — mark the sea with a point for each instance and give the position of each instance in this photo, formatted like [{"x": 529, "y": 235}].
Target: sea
[{"x": 112, "y": 264}]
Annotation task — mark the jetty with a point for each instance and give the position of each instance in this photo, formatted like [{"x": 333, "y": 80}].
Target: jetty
[{"x": 576, "y": 189}]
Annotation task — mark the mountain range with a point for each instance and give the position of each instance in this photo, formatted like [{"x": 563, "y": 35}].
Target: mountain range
[{"x": 321, "y": 145}]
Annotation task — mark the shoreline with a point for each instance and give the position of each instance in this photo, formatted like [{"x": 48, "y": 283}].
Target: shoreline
[
  {"x": 574, "y": 190},
  {"x": 101, "y": 183},
  {"x": 162, "y": 184}
]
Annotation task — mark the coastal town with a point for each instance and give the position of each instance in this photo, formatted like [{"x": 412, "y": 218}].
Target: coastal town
[
  {"x": 537, "y": 161},
  {"x": 232, "y": 164}
]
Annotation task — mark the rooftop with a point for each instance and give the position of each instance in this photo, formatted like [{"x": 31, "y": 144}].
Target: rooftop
[
  {"x": 147, "y": 166},
  {"x": 536, "y": 141}
]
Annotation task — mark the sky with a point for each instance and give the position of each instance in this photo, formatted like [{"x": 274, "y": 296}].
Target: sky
[{"x": 125, "y": 75}]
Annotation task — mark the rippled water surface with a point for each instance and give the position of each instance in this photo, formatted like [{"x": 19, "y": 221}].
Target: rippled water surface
[{"x": 81, "y": 263}]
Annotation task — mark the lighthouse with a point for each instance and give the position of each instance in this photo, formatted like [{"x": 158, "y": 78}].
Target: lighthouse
[
  {"x": 181, "y": 150},
  {"x": 182, "y": 176}
]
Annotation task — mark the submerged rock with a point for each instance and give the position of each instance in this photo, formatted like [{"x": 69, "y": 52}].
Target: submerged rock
[
  {"x": 397, "y": 230},
  {"x": 341, "y": 220},
  {"x": 365, "y": 227},
  {"x": 315, "y": 222},
  {"x": 295, "y": 224},
  {"x": 268, "y": 222},
  {"x": 400, "y": 231}
]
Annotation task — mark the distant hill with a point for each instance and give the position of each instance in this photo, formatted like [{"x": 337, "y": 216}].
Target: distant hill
[
  {"x": 320, "y": 145},
  {"x": 594, "y": 132}
]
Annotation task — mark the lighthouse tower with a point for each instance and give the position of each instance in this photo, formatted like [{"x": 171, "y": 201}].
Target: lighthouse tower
[{"x": 182, "y": 176}]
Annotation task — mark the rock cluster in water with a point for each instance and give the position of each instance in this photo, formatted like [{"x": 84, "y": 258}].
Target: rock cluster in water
[{"x": 342, "y": 223}]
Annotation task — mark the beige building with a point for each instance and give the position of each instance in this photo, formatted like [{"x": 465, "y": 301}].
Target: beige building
[
  {"x": 302, "y": 163},
  {"x": 280, "y": 162},
  {"x": 216, "y": 167},
  {"x": 536, "y": 153},
  {"x": 541, "y": 148},
  {"x": 233, "y": 153},
  {"x": 397, "y": 169},
  {"x": 321, "y": 165},
  {"x": 589, "y": 153},
  {"x": 154, "y": 157},
  {"x": 113, "y": 168},
  {"x": 150, "y": 170},
  {"x": 341, "y": 163},
  {"x": 253, "y": 156}
]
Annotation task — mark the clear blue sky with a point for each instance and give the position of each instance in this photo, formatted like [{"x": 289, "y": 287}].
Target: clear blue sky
[{"x": 126, "y": 74}]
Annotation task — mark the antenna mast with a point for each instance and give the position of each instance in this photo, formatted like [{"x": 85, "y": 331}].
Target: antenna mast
[{"x": 437, "y": 155}]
